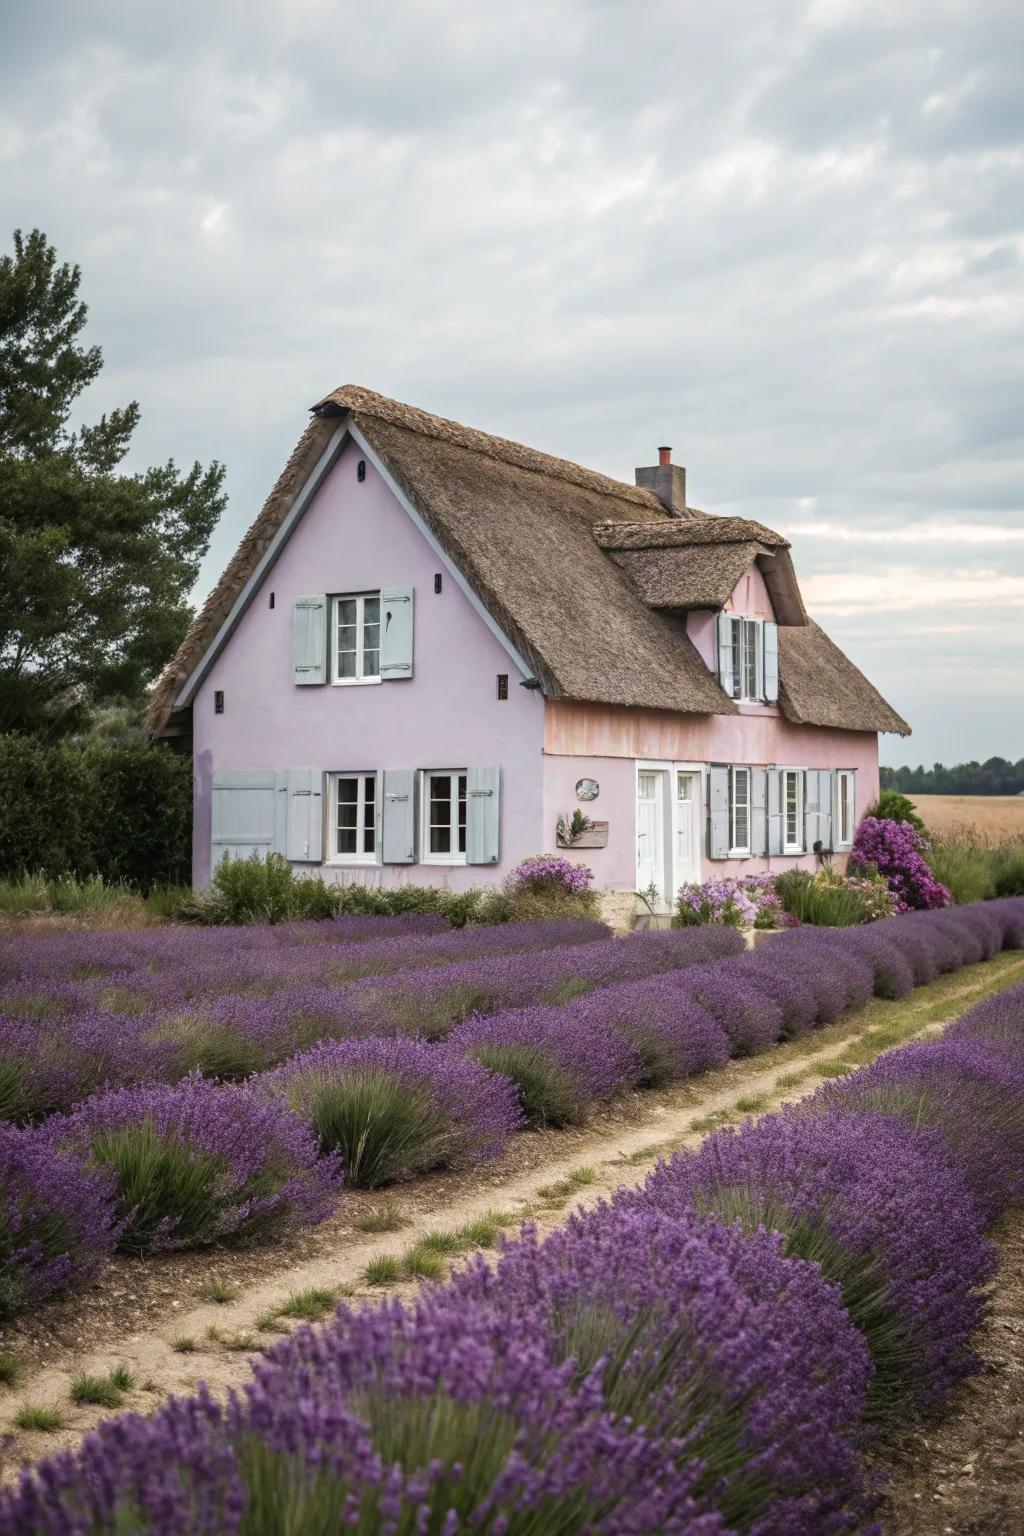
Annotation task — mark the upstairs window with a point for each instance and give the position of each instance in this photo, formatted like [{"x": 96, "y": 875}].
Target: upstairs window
[
  {"x": 748, "y": 658},
  {"x": 355, "y": 638}
]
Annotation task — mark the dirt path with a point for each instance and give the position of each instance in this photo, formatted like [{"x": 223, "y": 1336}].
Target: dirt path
[
  {"x": 136, "y": 1311},
  {"x": 964, "y": 1476}
]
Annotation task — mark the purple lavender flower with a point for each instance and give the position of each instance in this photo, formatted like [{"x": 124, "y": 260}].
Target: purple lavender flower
[
  {"x": 199, "y": 1162},
  {"x": 548, "y": 872},
  {"x": 884, "y": 1209},
  {"x": 57, "y": 1223},
  {"x": 673, "y": 1035},
  {"x": 710, "y": 1339},
  {"x": 396, "y": 1107}
]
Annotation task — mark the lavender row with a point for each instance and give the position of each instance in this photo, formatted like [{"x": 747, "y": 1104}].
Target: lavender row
[
  {"x": 708, "y": 1355},
  {"x": 55, "y": 1058},
  {"x": 180, "y": 963},
  {"x": 687, "y": 1020}
]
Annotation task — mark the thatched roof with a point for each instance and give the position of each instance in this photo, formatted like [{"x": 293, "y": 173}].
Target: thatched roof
[
  {"x": 529, "y": 533},
  {"x": 818, "y": 685}
]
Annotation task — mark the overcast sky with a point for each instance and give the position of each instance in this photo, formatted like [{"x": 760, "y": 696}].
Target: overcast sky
[{"x": 784, "y": 237}]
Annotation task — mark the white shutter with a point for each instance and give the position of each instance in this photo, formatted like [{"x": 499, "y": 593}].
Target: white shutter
[
  {"x": 244, "y": 815},
  {"x": 304, "y": 839},
  {"x": 718, "y": 812},
  {"x": 825, "y": 808},
  {"x": 483, "y": 815},
  {"x": 774, "y": 812},
  {"x": 398, "y": 816},
  {"x": 309, "y": 639},
  {"x": 395, "y": 633},
  {"x": 818, "y": 809},
  {"x": 771, "y": 662},
  {"x": 758, "y": 812},
  {"x": 727, "y": 659}
]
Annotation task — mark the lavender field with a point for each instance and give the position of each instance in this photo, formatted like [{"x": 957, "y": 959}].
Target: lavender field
[{"x": 710, "y": 1353}]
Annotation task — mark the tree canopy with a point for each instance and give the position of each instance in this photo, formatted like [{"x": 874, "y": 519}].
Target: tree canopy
[
  {"x": 95, "y": 564},
  {"x": 997, "y": 776}
]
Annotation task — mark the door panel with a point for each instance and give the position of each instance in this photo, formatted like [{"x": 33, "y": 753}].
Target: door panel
[
  {"x": 650, "y": 832},
  {"x": 687, "y": 850}
]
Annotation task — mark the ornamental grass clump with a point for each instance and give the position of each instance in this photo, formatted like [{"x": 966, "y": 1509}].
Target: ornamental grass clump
[
  {"x": 394, "y": 1108},
  {"x": 560, "y": 1062},
  {"x": 57, "y": 1220},
  {"x": 198, "y": 1163},
  {"x": 882, "y": 1207},
  {"x": 741, "y": 1362}
]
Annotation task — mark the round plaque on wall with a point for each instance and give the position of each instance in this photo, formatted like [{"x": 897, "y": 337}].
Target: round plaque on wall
[{"x": 587, "y": 789}]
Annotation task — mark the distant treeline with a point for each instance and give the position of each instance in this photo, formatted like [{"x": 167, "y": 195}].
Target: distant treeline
[{"x": 995, "y": 777}]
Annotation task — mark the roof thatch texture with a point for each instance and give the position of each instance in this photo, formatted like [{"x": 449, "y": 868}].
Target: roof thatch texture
[
  {"x": 819, "y": 685},
  {"x": 529, "y": 533}
]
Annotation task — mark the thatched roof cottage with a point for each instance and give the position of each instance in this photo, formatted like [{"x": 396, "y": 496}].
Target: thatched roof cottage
[{"x": 434, "y": 645}]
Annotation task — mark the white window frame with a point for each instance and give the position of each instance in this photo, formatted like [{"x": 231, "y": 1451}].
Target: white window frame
[
  {"x": 738, "y": 850},
  {"x": 454, "y": 775},
  {"x": 796, "y": 775},
  {"x": 747, "y": 632},
  {"x": 361, "y": 856},
  {"x": 359, "y": 598},
  {"x": 847, "y": 776}
]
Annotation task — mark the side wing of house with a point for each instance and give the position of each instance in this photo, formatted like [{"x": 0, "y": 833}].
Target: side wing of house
[
  {"x": 690, "y": 797},
  {"x": 361, "y": 714}
]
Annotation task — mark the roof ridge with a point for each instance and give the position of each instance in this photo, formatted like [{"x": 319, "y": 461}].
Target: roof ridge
[{"x": 366, "y": 402}]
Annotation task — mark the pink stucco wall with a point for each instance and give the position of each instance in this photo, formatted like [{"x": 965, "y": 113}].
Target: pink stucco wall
[
  {"x": 355, "y": 536},
  {"x": 605, "y": 743}
]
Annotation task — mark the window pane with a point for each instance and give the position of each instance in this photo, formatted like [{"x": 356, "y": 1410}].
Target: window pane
[
  {"x": 749, "y": 659},
  {"x": 440, "y": 813},
  {"x": 347, "y": 653},
  {"x": 371, "y": 663},
  {"x": 369, "y": 813},
  {"x": 462, "y": 813},
  {"x": 347, "y": 608},
  {"x": 684, "y": 787},
  {"x": 737, "y": 658},
  {"x": 371, "y": 610}
]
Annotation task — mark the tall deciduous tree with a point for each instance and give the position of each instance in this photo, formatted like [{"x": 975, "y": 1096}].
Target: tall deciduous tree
[{"x": 95, "y": 564}]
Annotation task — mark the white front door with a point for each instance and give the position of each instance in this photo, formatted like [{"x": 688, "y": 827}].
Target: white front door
[
  {"x": 650, "y": 834},
  {"x": 687, "y": 870}
]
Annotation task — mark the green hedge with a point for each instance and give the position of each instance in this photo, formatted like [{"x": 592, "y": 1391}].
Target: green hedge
[{"x": 121, "y": 812}]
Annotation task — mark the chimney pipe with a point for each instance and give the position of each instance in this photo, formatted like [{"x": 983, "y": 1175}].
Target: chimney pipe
[{"x": 667, "y": 481}]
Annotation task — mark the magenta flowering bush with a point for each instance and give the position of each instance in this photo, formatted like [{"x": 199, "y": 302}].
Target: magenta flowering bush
[
  {"x": 57, "y": 1221},
  {"x": 548, "y": 874},
  {"x": 740, "y": 901},
  {"x": 197, "y": 1162},
  {"x": 896, "y": 850}
]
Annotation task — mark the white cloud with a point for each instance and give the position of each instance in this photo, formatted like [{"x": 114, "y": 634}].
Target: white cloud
[{"x": 906, "y": 589}]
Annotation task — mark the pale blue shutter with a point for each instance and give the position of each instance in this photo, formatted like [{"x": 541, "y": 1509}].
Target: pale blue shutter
[
  {"x": 304, "y": 839},
  {"x": 774, "y": 812},
  {"x": 395, "y": 633},
  {"x": 825, "y": 808},
  {"x": 398, "y": 816},
  {"x": 818, "y": 809},
  {"x": 718, "y": 812},
  {"x": 244, "y": 816},
  {"x": 758, "y": 812},
  {"x": 771, "y": 662},
  {"x": 483, "y": 815},
  {"x": 727, "y": 658},
  {"x": 309, "y": 639}
]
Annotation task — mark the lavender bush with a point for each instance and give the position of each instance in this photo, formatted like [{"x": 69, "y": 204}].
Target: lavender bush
[
  {"x": 885, "y": 1211},
  {"x": 197, "y": 1163},
  {"x": 710, "y": 1339},
  {"x": 57, "y": 1222},
  {"x": 672, "y": 1035},
  {"x": 896, "y": 850},
  {"x": 547, "y": 873},
  {"x": 395, "y": 1108}
]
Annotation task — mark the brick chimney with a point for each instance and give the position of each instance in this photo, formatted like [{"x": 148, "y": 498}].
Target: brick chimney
[{"x": 667, "y": 481}]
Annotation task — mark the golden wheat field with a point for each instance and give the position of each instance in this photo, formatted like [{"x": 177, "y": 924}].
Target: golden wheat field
[{"x": 990, "y": 817}]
